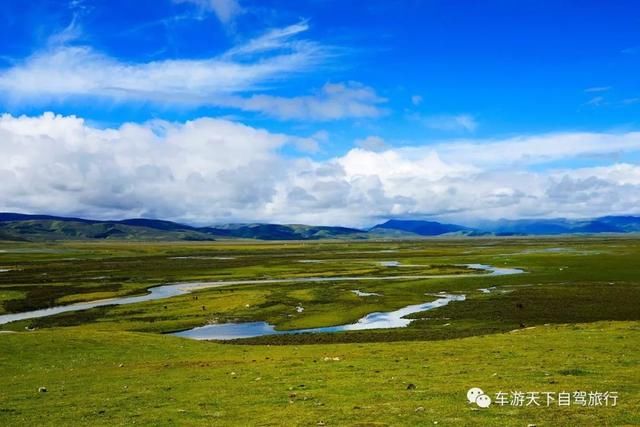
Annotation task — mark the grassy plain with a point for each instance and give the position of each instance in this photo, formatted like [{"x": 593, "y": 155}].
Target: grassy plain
[{"x": 571, "y": 322}]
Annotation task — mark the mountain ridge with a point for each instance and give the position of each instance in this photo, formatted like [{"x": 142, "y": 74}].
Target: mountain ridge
[
  {"x": 20, "y": 227},
  {"x": 16, "y": 226}
]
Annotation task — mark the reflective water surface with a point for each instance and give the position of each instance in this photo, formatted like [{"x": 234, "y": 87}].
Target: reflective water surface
[
  {"x": 171, "y": 290},
  {"x": 378, "y": 320}
]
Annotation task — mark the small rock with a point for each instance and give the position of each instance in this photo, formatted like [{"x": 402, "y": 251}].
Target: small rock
[
  {"x": 121, "y": 365},
  {"x": 42, "y": 389},
  {"x": 420, "y": 409},
  {"x": 411, "y": 386},
  {"x": 321, "y": 423},
  {"x": 531, "y": 425}
]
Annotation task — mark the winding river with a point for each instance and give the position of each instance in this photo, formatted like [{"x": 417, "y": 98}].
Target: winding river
[
  {"x": 377, "y": 320},
  {"x": 240, "y": 330}
]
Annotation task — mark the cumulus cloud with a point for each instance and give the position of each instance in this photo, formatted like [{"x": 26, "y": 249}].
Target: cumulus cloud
[
  {"x": 538, "y": 149},
  {"x": 372, "y": 143},
  {"x": 210, "y": 170},
  {"x": 204, "y": 168},
  {"x": 311, "y": 144}
]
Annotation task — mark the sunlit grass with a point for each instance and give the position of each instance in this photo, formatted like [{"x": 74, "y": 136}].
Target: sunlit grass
[{"x": 570, "y": 322}]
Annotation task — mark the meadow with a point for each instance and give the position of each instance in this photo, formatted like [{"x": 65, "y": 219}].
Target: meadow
[{"x": 570, "y": 322}]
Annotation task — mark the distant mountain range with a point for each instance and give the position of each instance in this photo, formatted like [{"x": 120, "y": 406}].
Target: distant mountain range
[
  {"x": 15, "y": 226},
  {"x": 504, "y": 227},
  {"x": 397, "y": 227},
  {"x": 22, "y": 227}
]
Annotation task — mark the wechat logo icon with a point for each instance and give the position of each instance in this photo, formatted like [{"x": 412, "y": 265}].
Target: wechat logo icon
[{"x": 477, "y": 396}]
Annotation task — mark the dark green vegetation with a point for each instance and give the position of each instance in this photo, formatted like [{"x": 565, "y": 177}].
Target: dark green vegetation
[
  {"x": 533, "y": 331},
  {"x": 579, "y": 280}
]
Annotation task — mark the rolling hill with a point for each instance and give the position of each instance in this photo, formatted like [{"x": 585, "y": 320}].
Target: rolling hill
[
  {"x": 420, "y": 228},
  {"x": 21, "y": 227},
  {"x": 15, "y": 226}
]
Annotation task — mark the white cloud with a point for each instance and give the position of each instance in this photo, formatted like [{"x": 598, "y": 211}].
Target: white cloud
[
  {"x": 446, "y": 122},
  {"x": 80, "y": 71},
  {"x": 631, "y": 101},
  {"x": 537, "y": 149},
  {"x": 312, "y": 143},
  {"x": 596, "y": 101},
  {"x": 225, "y": 10},
  {"x": 204, "y": 168},
  {"x": 416, "y": 100},
  {"x": 372, "y": 143},
  {"x": 273, "y": 40},
  {"x": 211, "y": 170},
  {"x": 333, "y": 101},
  {"x": 597, "y": 89},
  {"x": 61, "y": 72}
]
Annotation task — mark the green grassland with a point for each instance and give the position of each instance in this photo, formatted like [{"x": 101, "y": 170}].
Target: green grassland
[{"x": 571, "y": 322}]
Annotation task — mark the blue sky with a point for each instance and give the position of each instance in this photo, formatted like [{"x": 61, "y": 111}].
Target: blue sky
[{"x": 396, "y": 83}]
